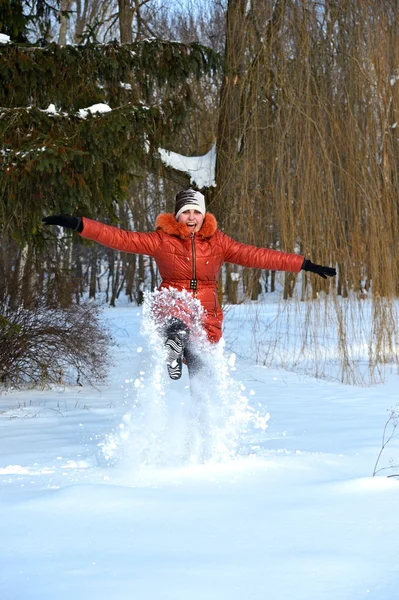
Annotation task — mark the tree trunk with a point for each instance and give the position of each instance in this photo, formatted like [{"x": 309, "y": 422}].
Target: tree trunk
[
  {"x": 65, "y": 6},
  {"x": 230, "y": 118},
  {"x": 115, "y": 286},
  {"x": 79, "y": 276},
  {"x": 289, "y": 285},
  {"x": 153, "y": 275},
  {"x": 232, "y": 279},
  {"x": 26, "y": 274},
  {"x": 93, "y": 273},
  {"x": 256, "y": 286},
  {"x": 131, "y": 269},
  {"x": 140, "y": 282},
  {"x": 125, "y": 21},
  {"x": 65, "y": 293}
]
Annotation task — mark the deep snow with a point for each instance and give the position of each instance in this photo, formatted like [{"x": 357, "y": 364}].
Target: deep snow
[{"x": 295, "y": 514}]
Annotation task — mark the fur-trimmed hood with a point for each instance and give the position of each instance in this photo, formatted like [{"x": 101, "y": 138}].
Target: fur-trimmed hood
[{"x": 167, "y": 222}]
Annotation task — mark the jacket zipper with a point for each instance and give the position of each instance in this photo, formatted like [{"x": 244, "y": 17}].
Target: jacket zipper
[{"x": 194, "y": 279}]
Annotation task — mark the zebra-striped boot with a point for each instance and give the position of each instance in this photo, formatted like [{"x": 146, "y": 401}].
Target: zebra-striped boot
[{"x": 174, "y": 356}]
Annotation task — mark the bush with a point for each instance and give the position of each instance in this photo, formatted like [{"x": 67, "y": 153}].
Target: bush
[{"x": 39, "y": 346}]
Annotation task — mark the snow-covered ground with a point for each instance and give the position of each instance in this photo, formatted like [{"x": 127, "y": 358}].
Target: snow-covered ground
[{"x": 291, "y": 512}]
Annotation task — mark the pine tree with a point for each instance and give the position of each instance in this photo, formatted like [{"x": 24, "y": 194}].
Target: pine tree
[
  {"x": 56, "y": 157},
  {"x": 23, "y": 19},
  {"x": 13, "y": 21}
]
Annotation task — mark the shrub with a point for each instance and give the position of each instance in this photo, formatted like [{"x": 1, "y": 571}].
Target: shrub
[{"x": 39, "y": 346}]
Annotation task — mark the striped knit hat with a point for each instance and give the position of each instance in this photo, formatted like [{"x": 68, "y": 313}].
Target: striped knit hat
[{"x": 187, "y": 199}]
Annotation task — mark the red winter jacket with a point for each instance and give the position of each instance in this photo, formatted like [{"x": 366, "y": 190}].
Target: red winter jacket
[{"x": 182, "y": 257}]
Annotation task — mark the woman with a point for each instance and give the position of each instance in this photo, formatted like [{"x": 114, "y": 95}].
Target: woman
[{"x": 189, "y": 251}]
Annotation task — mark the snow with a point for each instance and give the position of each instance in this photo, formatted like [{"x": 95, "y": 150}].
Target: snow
[
  {"x": 51, "y": 110},
  {"x": 95, "y": 109},
  {"x": 83, "y": 112},
  {"x": 293, "y": 514},
  {"x": 201, "y": 169},
  {"x": 4, "y": 39}
]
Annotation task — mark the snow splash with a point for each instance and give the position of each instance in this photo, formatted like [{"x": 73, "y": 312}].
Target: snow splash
[{"x": 190, "y": 421}]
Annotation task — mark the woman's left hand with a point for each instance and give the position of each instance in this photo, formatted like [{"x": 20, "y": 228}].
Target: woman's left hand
[{"x": 319, "y": 269}]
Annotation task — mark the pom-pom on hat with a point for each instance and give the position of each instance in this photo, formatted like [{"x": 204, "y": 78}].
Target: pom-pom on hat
[{"x": 189, "y": 199}]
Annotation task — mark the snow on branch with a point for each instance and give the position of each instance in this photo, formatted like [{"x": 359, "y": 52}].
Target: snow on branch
[
  {"x": 83, "y": 113},
  {"x": 201, "y": 169}
]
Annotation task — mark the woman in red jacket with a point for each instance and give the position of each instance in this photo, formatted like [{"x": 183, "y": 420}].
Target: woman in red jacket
[{"x": 189, "y": 251}]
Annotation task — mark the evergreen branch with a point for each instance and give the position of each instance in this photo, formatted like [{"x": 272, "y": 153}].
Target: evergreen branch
[
  {"x": 72, "y": 164},
  {"x": 53, "y": 112},
  {"x": 47, "y": 75}
]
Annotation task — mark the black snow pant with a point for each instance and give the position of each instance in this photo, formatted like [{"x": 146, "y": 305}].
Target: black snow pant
[{"x": 176, "y": 327}]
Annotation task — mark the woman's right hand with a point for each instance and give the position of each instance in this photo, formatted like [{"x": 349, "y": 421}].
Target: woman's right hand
[{"x": 66, "y": 221}]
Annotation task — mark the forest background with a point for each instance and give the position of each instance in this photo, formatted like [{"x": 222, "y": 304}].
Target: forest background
[{"x": 300, "y": 100}]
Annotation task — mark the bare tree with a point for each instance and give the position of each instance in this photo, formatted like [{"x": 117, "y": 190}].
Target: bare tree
[
  {"x": 65, "y": 9},
  {"x": 126, "y": 12}
]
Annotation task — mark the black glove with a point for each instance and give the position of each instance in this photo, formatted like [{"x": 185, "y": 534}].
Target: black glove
[
  {"x": 67, "y": 221},
  {"x": 322, "y": 271}
]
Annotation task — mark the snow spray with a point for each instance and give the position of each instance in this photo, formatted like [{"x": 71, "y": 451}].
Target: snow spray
[{"x": 196, "y": 419}]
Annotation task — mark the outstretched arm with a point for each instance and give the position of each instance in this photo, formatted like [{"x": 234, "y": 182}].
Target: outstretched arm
[
  {"x": 107, "y": 235},
  {"x": 273, "y": 260},
  {"x": 259, "y": 258}
]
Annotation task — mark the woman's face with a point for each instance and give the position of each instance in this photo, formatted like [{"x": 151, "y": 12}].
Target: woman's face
[{"x": 192, "y": 218}]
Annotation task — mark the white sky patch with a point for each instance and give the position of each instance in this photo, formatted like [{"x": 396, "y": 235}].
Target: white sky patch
[
  {"x": 4, "y": 39},
  {"x": 201, "y": 169}
]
